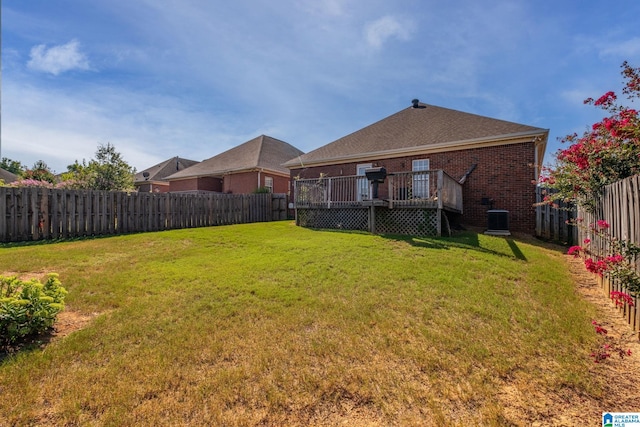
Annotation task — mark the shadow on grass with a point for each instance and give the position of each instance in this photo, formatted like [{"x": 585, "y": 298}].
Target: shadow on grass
[
  {"x": 516, "y": 250},
  {"x": 465, "y": 240},
  {"x": 44, "y": 242},
  {"x": 25, "y": 345},
  {"x": 462, "y": 240}
]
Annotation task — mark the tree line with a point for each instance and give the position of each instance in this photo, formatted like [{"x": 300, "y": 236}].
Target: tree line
[{"x": 106, "y": 171}]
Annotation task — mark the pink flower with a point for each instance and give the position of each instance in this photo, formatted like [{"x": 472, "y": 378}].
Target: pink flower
[
  {"x": 606, "y": 99},
  {"x": 620, "y": 299},
  {"x": 574, "y": 250},
  {"x": 603, "y": 224},
  {"x": 586, "y": 241},
  {"x": 599, "y": 329},
  {"x": 596, "y": 267},
  {"x": 614, "y": 259}
]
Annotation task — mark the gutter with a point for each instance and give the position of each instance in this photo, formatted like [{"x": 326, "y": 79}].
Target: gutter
[{"x": 514, "y": 138}]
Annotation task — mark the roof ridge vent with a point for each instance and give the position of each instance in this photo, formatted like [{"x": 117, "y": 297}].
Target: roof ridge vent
[{"x": 416, "y": 103}]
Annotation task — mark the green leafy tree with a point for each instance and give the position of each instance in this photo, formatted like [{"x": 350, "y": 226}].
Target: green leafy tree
[
  {"x": 13, "y": 166},
  {"x": 77, "y": 177},
  {"x": 108, "y": 171}
]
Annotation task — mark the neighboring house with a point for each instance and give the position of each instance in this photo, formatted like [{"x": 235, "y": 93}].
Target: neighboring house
[
  {"x": 254, "y": 165},
  {"x": 153, "y": 179},
  {"x": 7, "y": 177},
  {"x": 494, "y": 160}
]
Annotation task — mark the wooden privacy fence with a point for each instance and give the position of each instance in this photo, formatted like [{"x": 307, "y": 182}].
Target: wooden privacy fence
[
  {"x": 38, "y": 213},
  {"x": 619, "y": 205},
  {"x": 551, "y": 220}
]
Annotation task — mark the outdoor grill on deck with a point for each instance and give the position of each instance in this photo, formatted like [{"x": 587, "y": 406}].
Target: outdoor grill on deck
[{"x": 375, "y": 176}]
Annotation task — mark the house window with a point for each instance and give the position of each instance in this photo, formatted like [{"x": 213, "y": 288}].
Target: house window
[
  {"x": 421, "y": 179},
  {"x": 268, "y": 183},
  {"x": 362, "y": 186}
]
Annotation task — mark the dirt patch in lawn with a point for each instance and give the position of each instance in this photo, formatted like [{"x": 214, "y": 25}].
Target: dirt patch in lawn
[
  {"x": 70, "y": 321},
  {"x": 67, "y": 322}
]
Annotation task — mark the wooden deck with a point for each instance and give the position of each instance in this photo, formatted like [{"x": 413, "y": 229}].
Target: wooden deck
[
  {"x": 427, "y": 189},
  {"x": 414, "y": 201}
]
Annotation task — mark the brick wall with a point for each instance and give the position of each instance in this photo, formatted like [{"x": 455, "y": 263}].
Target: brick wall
[
  {"x": 237, "y": 183},
  {"x": 280, "y": 183},
  {"x": 241, "y": 183},
  {"x": 205, "y": 183},
  {"x": 503, "y": 173}
]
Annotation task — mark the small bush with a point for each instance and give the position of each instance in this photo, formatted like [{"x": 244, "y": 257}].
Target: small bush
[
  {"x": 28, "y": 308},
  {"x": 262, "y": 190}
]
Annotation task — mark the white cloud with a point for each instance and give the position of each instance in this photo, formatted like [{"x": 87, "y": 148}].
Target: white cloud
[
  {"x": 380, "y": 30},
  {"x": 627, "y": 49},
  {"x": 61, "y": 126},
  {"x": 58, "y": 59}
]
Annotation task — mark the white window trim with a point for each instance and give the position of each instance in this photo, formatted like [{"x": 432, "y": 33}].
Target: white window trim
[
  {"x": 363, "y": 189},
  {"x": 268, "y": 183},
  {"x": 420, "y": 185}
]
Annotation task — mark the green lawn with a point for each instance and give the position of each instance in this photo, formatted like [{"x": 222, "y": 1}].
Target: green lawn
[{"x": 272, "y": 324}]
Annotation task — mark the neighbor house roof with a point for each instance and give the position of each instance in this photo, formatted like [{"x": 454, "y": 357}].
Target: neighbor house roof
[
  {"x": 162, "y": 170},
  {"x": 420, "y": 128},
  {"x": 7, "y": 176},
  {"x": 263, "y": 152}
]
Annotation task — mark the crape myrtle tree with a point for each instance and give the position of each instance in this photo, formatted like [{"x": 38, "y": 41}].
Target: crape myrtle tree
[
  {"x": 607, "y": 152},
  {"x": 39, "y": 172}
]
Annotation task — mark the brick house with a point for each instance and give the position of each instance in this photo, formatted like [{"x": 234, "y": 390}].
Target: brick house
[
  {"x": 154, "y": 179},
  {"x": 256, "y": 164},
  {"x": 494, "y": 160}
]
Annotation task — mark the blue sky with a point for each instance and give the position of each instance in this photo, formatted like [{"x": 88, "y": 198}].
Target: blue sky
[{"x": 193, "y": 78}]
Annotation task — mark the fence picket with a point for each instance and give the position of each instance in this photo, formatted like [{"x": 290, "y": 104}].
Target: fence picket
[
  {"x": 37, "y": 213},
  {"x": 552, "y": 222},
  {"x": 619, "y": 205}
]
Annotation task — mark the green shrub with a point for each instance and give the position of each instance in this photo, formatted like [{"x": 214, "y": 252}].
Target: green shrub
[
  {"x": 29, "y": 307},
  {"x": 261, "y": 190}
]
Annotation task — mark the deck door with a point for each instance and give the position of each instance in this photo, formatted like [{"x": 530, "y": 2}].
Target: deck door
[
  {"x": 420, "y": 188},
  {"x": 362, "y": 187}
]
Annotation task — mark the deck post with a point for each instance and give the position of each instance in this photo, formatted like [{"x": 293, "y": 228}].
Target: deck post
[
  {"x": 372, "y": 219},
  {"x": 295, "y": 202},
  {"x": 440, "y": 202}
]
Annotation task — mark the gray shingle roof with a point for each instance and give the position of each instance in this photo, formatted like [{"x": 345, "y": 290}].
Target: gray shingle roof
[
  {"x": 425, "y": 127},
  {"x": 162, "y": 170},
  {"x": 7, "y": 176},
  {"x": 263, "y": 152}
]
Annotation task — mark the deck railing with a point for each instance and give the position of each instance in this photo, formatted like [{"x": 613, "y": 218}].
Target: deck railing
[{"x": 428, "y": 189}]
